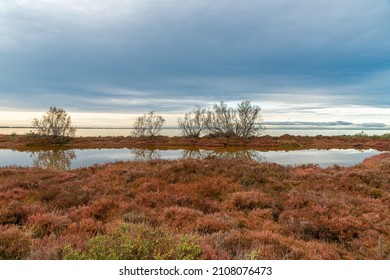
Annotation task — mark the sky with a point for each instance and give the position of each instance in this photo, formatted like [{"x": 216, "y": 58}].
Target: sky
[{"x": 106, "y": 62}]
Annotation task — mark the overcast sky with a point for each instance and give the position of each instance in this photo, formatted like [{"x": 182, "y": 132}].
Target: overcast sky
[{"x": 321, "y": 60}]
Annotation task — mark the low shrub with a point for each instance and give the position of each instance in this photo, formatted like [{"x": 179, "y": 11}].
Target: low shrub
[
  {"x": 44, "y": 224},
  {"x": 180, "y": 219},
  {"x": 136, "y": 243},
  {"x": 14, "y": 243},
  {"x": 215, "y": 222},
  {"x": 250, "y": 200},
  {"x": 85, "y": 227},
  {"x": 236, "y": 209},
  {"x": 12, "y": 213}
]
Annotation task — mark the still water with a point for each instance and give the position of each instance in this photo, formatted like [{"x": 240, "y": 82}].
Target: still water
[
  {"x": 76, "y": 158},
  {"x": 272, "y": 131}
]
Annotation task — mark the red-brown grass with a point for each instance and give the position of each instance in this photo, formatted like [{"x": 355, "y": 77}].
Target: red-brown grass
[
  {"x": 210, "y": 208},
  {"x": 284, "y": 142}
]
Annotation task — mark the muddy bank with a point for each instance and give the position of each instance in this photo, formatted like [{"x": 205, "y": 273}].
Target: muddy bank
[{"x": 264, "y": 143}]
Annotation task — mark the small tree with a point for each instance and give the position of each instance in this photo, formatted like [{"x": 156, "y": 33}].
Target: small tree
[
  {"x": 148, "y": 125},
  {"x": 193, "y": 123},
  {"x": 55, "y": 123},
  {"x": 220, "y": 120},
  {"x": 249, "y": 122}
]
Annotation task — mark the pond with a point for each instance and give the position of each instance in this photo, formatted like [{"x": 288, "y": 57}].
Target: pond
[{"x": 75, "y": 158}]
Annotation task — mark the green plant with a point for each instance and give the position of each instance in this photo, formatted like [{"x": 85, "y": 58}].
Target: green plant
[
  {"x": 186, "y": 249},
  {"x": 254, "y": 255},
  {"x": 360, "y": 134},
  {"x": 135, "y": 242},
  {"x": 385, "y": 136}
]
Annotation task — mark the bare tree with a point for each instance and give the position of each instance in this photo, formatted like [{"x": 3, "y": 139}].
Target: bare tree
[
  {"x": 244, "y": 121},
  {"x": 249, "y": 122},
  {"x": 193, "y": 123},
  {"x": 55, "y": 123},
  {"x": 221, "y": 120},
  {"x": 148, "y": 125}
]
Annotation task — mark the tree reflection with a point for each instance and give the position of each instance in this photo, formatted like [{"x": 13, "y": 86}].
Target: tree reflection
[
  {"x": 195, "y": 154},
  {"x": 57, "y": 159},
  {"x": 145, "y": 154},
  {"x": 240, "y": 154},
  {"x": 235, "y": 154}
]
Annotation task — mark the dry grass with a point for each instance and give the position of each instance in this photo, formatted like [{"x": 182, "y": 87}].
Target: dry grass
[
  {"x": 264, "y": 143},
  {"x": 197, "y": 209}
]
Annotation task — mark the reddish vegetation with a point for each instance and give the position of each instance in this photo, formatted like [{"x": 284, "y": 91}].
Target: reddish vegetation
[
  {"x": 204, "y": 209},
  {"x": 285, "y": 142}
]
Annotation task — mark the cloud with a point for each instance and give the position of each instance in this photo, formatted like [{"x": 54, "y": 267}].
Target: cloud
[{"x": 122, "y": 55}]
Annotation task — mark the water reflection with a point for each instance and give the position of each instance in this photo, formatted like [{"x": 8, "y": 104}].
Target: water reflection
[
  {"x": 69, "y": 159},
  {"x": 57, "y": 159},
  {"x": 153, "y": 154},
  {"x": 237, "y": 154},
  {"x": 145, "y": 154},
  {"x": 194, "y": 154}
]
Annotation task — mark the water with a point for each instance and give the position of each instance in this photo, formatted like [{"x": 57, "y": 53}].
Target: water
[
  {"x": 271, "y": 130},
  {"x": 75, "y": 158}
]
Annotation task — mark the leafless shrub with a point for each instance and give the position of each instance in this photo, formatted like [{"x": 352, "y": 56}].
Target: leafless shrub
[
  {"x": 193, "y": 123},
  {"x": 244, "y": 121},
  {"x": 55, "y": 123},
  {"x": 249, "y": 122},
  {"x": 148, "y": 125}
]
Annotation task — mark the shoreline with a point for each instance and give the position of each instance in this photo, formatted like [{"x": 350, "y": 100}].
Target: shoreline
[{"x": 261, "y": 143}]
